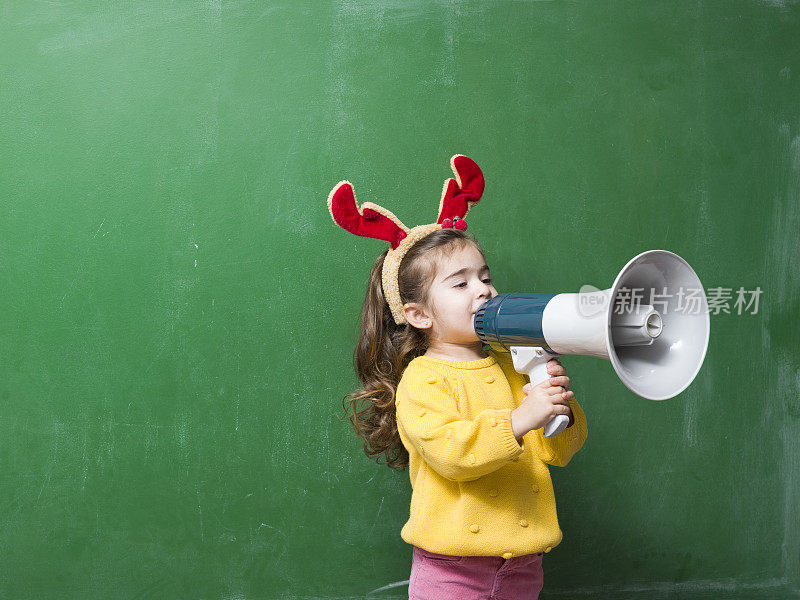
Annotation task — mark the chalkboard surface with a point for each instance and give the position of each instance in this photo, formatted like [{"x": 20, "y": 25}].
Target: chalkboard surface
[{"x": 178, "y": 310}]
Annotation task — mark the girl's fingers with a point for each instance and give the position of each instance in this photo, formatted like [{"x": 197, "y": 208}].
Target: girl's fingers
[
  {"x": 555, "y": 386},
  {"x": 555, "y": 368},
  {"x": 561, "y": 396}
]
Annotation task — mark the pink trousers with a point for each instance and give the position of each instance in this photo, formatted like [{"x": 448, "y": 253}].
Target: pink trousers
[{"x": 445, "y": 577}]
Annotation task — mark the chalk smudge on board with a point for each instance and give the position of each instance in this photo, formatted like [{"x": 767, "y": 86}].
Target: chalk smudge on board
[
  {"x": 780, "y": 268},
  {"x": 389, "y": 586},
  {"x": 114, "y": 22}
]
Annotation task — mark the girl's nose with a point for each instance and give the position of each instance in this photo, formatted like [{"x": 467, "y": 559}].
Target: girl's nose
[{"x": 485, "y": 291}]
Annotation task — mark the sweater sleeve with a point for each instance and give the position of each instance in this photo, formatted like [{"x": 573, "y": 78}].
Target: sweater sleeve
[
  {"x": 456, "y": 448},
  {"x": 559, "y": 449}
]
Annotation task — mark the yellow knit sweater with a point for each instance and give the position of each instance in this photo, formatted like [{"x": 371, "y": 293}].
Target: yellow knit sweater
[{"x": 476, "y": 491}]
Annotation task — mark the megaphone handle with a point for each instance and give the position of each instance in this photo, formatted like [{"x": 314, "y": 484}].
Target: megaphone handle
[{"x": 532, "y": 360}]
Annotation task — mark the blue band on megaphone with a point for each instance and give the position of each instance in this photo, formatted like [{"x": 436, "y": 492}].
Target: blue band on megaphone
[{"x": 513, "y": 319}]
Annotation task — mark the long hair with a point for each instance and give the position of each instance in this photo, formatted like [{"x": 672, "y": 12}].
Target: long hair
[{"x": 384, "y": 348}]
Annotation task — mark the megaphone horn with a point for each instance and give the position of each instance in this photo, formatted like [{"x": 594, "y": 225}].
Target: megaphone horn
[{"x": 656, "y": 348}]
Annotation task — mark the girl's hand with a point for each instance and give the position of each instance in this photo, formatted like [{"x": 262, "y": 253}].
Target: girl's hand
[{"x": 543, "y": 402}]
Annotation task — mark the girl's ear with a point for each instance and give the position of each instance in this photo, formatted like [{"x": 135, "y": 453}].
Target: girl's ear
[{"x": 416, "y": 315}]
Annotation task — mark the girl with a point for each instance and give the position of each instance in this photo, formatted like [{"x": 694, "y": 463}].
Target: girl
[{"x": 461, "y": 418}]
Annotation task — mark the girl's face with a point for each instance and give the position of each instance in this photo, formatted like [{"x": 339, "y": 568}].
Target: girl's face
[{"x": 461, "y": 285}]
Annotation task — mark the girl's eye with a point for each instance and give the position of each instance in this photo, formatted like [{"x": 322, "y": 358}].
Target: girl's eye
[{"x": 487, "y": 281}]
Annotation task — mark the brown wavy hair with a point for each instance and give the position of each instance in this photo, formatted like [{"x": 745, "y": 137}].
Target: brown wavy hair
[{"x": 384, "y": 348}]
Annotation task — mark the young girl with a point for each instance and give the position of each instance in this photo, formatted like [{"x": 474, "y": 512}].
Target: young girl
[{"x": 461, "y": 418}]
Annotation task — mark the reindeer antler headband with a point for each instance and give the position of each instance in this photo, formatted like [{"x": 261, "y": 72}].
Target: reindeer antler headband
[{"x": 373, "y": 221}]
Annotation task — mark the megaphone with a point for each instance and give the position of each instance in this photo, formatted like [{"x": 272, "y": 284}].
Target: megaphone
[{"x": 655, "y": 347}]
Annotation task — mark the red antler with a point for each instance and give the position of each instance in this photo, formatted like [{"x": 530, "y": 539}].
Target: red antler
[
  {"x": 459, "y": 196},
  {"x": 371, "y": 221}
]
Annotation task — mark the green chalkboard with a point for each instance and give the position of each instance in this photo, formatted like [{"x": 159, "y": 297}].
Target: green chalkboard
[{"x": 178, "y": 311}]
